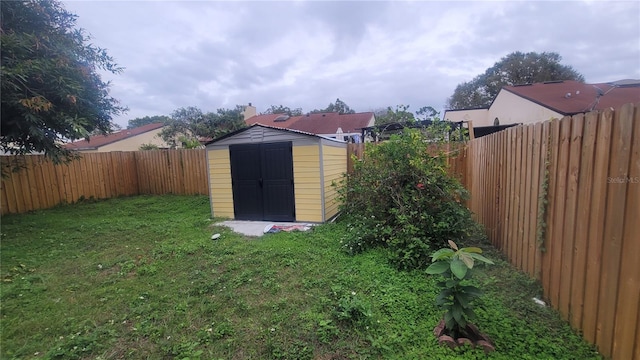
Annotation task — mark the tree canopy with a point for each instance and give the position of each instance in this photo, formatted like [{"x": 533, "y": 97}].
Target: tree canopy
[
  {"x": 51, "y": 89},
  {"x": 137, "y": 122},
  {"x": 190, "y": 124},
  {"x": 401, "y": 114},
  {"x": 339, "y": 106},
  {"x": 513, "y": 69},
  {"x": 281, "y": 109}
]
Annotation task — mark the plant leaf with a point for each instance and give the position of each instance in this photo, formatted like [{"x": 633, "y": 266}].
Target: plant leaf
[
  {"x": 457, "y": 313},
  {"x": 441, "y": 299},
  {"x": 441, "y": 254},
  {"x": 466, "y": 259},
  {"x": 481, "y": 258},
  {"x": 462, "y": 300},
  {"x": 472, "y": 250},
  {"x": 437, "y": 268},
  {"x": 450, "y": 283},
  {"x": 449, "y": 321},
  {"x": 453, "y": 245},
  {"x": 471, "y": 315},
  {"x": 471, "y": 290},
  {"x": 458, "y": 268}
]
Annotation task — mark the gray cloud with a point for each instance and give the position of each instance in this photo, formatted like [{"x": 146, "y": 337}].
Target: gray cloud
[{"x": 369, "y": 54}]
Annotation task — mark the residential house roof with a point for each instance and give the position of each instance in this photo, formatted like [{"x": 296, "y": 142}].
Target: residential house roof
[
  {"x": 329, "y": 123},
  {"x": 271, "y": 127},
  {"x": 317, "y": 123},
  {"x": 95, "y": 142},
  {"x": 265, "y": 119},
  {"x": 570, "y": 97}
]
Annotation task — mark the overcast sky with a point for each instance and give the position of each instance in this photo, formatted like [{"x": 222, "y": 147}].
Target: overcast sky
[{"x": 369, "y": 54}]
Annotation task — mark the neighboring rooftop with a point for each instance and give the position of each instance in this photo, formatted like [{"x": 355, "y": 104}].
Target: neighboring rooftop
[
  {"x": 101, "y": 140},
  {"x": 317, "y": 123},
  {"x": 570, "y": 97}
]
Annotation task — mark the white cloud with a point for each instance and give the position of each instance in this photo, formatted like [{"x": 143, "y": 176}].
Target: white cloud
[{"x": 370, "y": 54}]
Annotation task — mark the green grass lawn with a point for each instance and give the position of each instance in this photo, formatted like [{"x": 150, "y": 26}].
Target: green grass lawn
[{"x": 140, "y": 278}]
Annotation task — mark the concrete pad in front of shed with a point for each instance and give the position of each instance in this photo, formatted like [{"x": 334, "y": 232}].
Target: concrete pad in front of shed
[{"x": 253, "y": 228}]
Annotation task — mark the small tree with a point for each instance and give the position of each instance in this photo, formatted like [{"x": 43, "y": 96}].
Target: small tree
[
  {"x": 51, "y": 85},
  {"x": 188, "y": 143},
  {"x": 401, "y": 114},
  {"x": 400, "y": 196},
  {"x": 456, "y": 295},
  {"x": 188, "y": 125}
]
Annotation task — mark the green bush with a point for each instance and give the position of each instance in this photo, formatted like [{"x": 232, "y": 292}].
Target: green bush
[{"x": 400, "y": 196}]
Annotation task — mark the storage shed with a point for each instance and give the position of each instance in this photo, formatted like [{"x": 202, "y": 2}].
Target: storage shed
[{"x": 273, "y": 174}]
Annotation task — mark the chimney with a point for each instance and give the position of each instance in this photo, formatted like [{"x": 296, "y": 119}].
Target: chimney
[{"x": 249, "y": 111}]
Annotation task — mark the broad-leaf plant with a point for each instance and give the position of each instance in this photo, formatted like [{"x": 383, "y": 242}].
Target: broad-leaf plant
[{"x": 456, "y": 295}]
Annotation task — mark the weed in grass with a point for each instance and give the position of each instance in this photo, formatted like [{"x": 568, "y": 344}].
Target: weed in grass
[
  {"x": 327, "y": 331},
  {"x": 353, "y": 309},
  {"x": 184, "y": 349}
]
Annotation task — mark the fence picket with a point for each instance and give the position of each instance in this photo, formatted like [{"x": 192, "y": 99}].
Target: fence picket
[
  {"x": 573, "y": 169},
  {"x": 508, "y": 196},
  {"x": 628, "y": 306},
  {"x": 533, "y": 200},
  {"x": 513, "y": 204},
  {"x": 526, "y": 209},
  {"x": 614, "y": 225},
  {"x": 596, "y": 226},
  {"x": 585, "y": 184}
]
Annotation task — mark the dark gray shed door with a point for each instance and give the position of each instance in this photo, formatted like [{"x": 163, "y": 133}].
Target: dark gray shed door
[{"x": 262, "y": 181}]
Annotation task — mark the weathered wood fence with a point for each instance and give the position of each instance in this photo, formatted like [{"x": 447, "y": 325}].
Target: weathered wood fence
[
  {"x": 41, "y": 184},
  {"x": 562, "y": 200}
]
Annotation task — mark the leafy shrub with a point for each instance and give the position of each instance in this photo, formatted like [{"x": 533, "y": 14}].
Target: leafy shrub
[
  {"x": 149, "y": 146},
  {"x": 400, "y": 196},
  {"x": 456, "y": 295}
]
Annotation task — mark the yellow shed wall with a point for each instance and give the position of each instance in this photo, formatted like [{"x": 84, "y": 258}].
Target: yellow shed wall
[
  {"x": 334, "y": 161},
  {"x": 220, "y": 183},
  {"x": 306, "y": 179}
]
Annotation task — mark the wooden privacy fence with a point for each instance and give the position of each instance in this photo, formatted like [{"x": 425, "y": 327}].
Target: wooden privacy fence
[
  {"x": 562, "y": 200},
  {"x": 41, "y": 184}
]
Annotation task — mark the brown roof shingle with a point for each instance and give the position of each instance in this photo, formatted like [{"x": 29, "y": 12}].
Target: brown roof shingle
[
  {"x": 328, "y": 123},
  {"x": 570, "y": 97},
  {"x": 317, "y": 123},
  {"x": 267, "y": 119}
]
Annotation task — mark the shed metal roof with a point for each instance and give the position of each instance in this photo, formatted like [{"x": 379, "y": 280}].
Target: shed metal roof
[{"x": 273, "y": 128}]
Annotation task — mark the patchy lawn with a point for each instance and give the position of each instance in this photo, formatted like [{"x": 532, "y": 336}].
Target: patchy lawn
[{"x": 140, "y": 278}]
